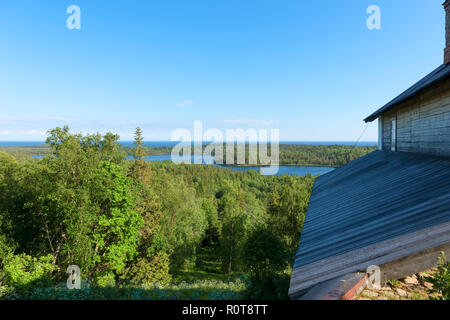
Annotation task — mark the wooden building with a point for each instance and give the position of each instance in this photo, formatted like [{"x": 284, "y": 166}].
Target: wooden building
[
  {"x": 390, "y": 208},
  {"x": 419, "y": 119}
]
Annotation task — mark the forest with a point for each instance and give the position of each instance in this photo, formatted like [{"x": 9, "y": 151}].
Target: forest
[
  {"x": 300, "y": 155},
  {"x": 145, "y": 230},
  {"x": 289, "y": 154}
]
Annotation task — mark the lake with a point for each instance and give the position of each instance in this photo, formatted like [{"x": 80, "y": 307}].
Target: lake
[
  {"x": 289, "y": 170},
  {"x": 172, "y": 143}
]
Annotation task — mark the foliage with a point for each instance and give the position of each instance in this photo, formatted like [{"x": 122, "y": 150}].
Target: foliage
[
  {"x": 139, "y": 152},
  {"x": 116, "y": 234},
  {"x": 289, "y": 154},
  {"x": 213, "y": 229},
  {"x": 234, "y": 225},
  {"x": 306, "y": 155},
  {"x": 139, "y": 230},
  {"x": 264, "y": 254},
  {"x": 147, "y": 272},
  {"x": 104, "y": 279},
  {"x": 287, "y": 208},
  {"x": 25, "y": 153},
  {"x": 182, "y": 223},
  {"x": 75, "y": 205},
  {"x": 23, "y": 271},
  {"x": 265, "y": 257},
  {"x": 269, "y": 288},
  {"x": 8, "y": 168},
  {"x": 199, "y": 290},
  {"x": 327, "y": 156},
  {"x": 441, "y": 279},
  {"x": 394, "y": 283}
]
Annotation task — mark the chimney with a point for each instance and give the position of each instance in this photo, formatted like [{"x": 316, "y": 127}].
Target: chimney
[{"x": 447, "y": 32}]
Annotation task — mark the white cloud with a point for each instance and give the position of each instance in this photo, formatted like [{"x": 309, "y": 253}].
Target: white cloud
[
  {"x": 37, "y": 118},
  {"x": 5, "y": 132},
  {"x": 45, "y": 117},
  {"x": 116, "y": 123},
  {"x": 185, "y": 103},
  {"x": 20, "y": 134},
  {"x": 249, "y": 122}
]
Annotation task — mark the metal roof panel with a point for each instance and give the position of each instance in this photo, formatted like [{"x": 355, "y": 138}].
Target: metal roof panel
[{"x": 377, "y": 197}]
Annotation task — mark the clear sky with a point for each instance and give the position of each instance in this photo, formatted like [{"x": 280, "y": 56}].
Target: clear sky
[{"x": 310, "y": 68}]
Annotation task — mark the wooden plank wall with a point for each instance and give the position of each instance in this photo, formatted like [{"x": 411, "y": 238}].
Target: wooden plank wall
[{"x": 423, "y": 123}]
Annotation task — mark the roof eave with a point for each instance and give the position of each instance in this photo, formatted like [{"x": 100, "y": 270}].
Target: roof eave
[
  {"x": 372, "y": 116},
  {"x": 439, "y": 74}
]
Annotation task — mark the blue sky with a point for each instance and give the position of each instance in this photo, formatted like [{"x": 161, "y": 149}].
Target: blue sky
[{"x": 310, "y": 68}]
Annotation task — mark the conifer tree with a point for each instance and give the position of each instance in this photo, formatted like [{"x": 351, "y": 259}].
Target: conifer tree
[{"x": 139, "y": 152}]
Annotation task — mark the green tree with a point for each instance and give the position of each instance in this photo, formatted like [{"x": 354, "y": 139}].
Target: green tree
[
  {"x": 116, "y": 232},
  {"x": 139, "y": 152},
  {"x": 287, "y": 207},
  {"x": 234, "y": 226},
  {"x": 232, "y": 240},
  {"x": 265, "y": 257},
  {"x": 182, "y": 222},
  {"x": 76, "y": 205},
  {"x": 9, "y": 168},
  {"x": 214, "y": 226}
]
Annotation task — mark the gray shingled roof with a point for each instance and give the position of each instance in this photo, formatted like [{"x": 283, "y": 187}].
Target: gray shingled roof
[
  {"x": 381, "y": 196},
  {"x": 439, "y": 74}
]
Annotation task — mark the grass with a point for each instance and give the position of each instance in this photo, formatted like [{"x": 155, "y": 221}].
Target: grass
[
  {"x": 194, "y": 275},
  {"x": 418, "y": 296},
  {"x": 394, "y": 283},
  {"x": 199, "y": 290},
  {"x": 207, "y": 267},
  {"x": 205, "y": 281}
]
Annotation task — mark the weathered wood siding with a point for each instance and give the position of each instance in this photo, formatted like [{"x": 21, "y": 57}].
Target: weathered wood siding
[{"x": 423, "y": 123}]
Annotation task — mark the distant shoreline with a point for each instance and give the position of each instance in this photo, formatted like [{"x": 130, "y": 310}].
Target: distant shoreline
[
  {"x": 280, "y": 165},
  {"x": 290, "y": 155},
  {"x": 172, "y": 143}
]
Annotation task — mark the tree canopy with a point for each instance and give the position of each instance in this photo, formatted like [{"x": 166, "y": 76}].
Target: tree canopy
[{"x": 131, "y": 221}]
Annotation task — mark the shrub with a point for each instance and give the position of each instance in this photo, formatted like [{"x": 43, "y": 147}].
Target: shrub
[
  {"x": 265, "y": 258},
  {"x": 23, "y": 271},
  {"x": 105, "y": 279},
  {"x": 146, "y": 271},
  {"x": 441, "y": 279}
]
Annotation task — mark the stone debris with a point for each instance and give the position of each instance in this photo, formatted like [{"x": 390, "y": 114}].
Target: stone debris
[
  {"x": 370, "y": 294},
  {"x": 411, "y": 280},
  {"x": 386, "y": 289},
  {"x": 390, "y": 295},
  {"x": 428, "y": 285},
  {"x": 402, "y": 293},
  {"x": 414, "y": 287}
]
